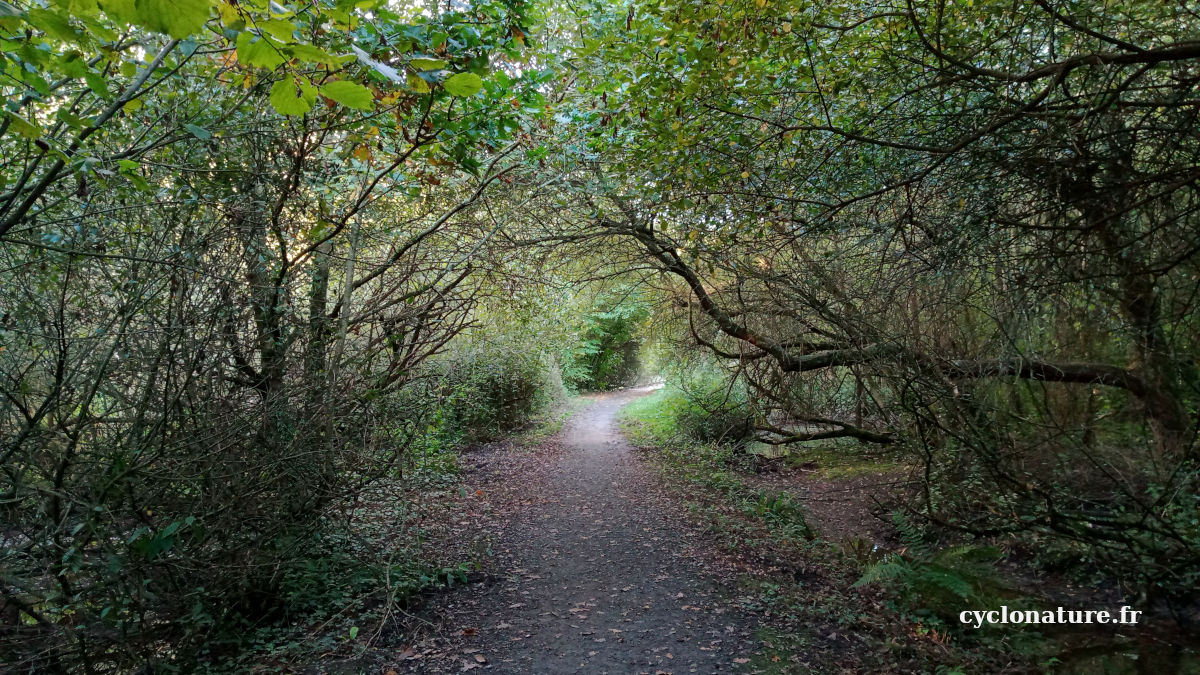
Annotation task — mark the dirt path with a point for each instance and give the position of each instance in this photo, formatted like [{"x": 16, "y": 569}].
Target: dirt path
[{"x": 597, "y": 576}]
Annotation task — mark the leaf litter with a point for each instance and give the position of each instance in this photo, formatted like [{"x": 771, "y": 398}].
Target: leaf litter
[{"x": 591, "y": 568}]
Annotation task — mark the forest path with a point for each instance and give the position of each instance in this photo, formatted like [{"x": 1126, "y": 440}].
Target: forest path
[{"x": 599, "y": 577}]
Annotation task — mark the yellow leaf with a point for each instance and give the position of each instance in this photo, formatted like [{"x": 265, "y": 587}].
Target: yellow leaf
[{"x": 417, "y": 84}]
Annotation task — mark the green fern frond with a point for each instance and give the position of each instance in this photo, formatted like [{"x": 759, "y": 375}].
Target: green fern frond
[
  {"x": 895, "y": 569},
  {"x": 932, "y": 578}
]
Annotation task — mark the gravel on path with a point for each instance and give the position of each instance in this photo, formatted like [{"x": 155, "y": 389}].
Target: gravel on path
[{"x": 597, "y": 575}]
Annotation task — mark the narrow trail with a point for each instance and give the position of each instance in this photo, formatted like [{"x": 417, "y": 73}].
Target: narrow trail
[{"x": 599, "y": 576}]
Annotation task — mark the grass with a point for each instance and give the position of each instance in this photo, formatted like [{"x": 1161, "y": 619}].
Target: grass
[
  {"x": 651, "y": 421},
  {"x": 646, "y": 421}
]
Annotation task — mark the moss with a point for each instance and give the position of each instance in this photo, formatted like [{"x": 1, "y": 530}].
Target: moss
[{"x": 842, "y": 460}]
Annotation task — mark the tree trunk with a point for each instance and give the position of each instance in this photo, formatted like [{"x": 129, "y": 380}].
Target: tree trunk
[{"x": 315, "y": 366}]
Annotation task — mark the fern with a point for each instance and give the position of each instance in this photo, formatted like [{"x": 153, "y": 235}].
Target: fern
[
  {"x": 911, "y": 535},
  {"x": 967, "y": 555},
  {"x": 941, "y": 582},
  {"x": 931, "y": 578},
  {"x": 886, "y": 570}
]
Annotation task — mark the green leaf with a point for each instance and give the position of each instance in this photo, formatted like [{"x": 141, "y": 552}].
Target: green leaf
[
  {"x": 177, "y": 18},
  {"x": 77, "y": 7},
  {"x": 261, "y": 53},
  {"x": 73, "y": 65},
  {"x": 100, "y": 28},
  {"x": 293, "y": 96},
  {"x": 463, "y": 84},
  {"x": 138, "y": 182},
  {"x": 24, "y": 127},
  {"x": 129, "y": 169},
  {"x": 350, "y": 94},
  {"x": 230, "y": 16},
  {"x": 311, "y": 53},
  {"x": 73, "y": 121},
  {"x": 199, "y": 132},
  {"x": 278, "y": 29},
  {"x": 97, "y": 84},
  {"x": 427, "y": 64},
  {"x": 55, "y": 25},
  {"x": 121, "y": 11}
]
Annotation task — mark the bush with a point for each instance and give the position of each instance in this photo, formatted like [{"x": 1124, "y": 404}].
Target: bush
[
  {"x": 606, "y": 356},
  {"x": 708, "y": 409},
  {"x": 698, "y": 406},
  {"x": 488, "y": 388}
]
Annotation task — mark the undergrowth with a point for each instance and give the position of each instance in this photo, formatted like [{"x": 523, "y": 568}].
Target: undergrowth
[
  {"x": 372, "y": 559},
  {"x": 854, "y": 604}
]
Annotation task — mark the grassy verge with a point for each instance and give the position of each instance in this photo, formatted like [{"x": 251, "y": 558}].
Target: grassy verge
[{"x": 814, "y": 617}]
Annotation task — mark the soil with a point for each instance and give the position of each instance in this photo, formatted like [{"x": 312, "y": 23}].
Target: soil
[
  {"x": 594, "y": 569},
  {"x": 840, "y": 509}
]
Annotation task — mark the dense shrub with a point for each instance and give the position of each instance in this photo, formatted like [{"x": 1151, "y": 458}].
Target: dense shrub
[
  {"x": 606, "y": 355},
  {"x": 704, "y": 408},
  {"x": 487, "y": 388}
]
